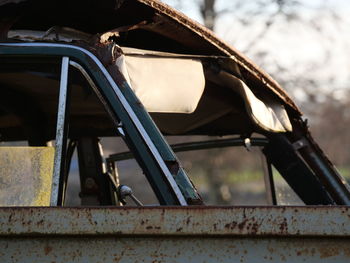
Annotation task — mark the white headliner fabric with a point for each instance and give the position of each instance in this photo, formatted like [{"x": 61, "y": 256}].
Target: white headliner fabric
[
  {"x": 269, "y": 115},
  {"x": 174, "y": 83},
  {"x": 164, "y": 84},
  {"x": 167, "y": 83}
]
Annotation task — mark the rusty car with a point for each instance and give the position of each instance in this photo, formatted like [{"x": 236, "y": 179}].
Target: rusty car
[{"x": 75, "y": 72}]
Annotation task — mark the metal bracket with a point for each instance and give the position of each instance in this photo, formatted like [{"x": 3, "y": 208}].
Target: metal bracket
[
  {"x": 247, "y": 144},
  {"x": 297, "y": 145}
]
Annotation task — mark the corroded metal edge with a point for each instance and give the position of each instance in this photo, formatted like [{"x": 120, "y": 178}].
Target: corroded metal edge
[{"x": 320, "y": 221}]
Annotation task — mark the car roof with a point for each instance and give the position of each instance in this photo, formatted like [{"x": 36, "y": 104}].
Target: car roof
[{"x": 153, "y": 25}]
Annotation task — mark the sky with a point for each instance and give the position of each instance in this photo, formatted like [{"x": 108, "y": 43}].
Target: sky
[{"x": 317, "y": 44}]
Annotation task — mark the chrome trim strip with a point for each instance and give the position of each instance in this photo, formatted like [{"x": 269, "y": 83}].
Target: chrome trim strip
[{"x": 62, "y": 104}]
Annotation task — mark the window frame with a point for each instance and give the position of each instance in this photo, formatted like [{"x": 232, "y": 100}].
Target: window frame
[{"x": 147, "y": 146}]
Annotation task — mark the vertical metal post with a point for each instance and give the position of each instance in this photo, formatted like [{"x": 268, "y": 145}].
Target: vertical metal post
[
  {"x": 60, "y": 135},
  {"x": 269, "y": 181},
  {"x": 94, "y": 181}
]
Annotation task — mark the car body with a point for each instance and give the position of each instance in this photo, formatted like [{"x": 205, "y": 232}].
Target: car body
[{"x": 139, "y": 70}]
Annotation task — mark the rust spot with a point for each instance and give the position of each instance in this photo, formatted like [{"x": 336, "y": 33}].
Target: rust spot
[
  {"x": 347, "y": 252},
  {"x": 231, "y": 225},
  {"x": 255, "y": 228},
  {"x": 242, "y": 225},
  {"x": 179, "y": 229},
  {"x": 271, "y": 250},
  {"x": 149, "y": 227},
  {"x": 327, "y": 252},
  {"x": 284, "y": 226},
  {"x": 27, "y": 222},
  {"x": 303, "y": 252},
  {"x": 47, "y": 250}
]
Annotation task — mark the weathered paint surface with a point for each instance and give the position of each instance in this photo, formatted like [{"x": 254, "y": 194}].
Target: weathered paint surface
[
  {"x": 227, "y": 221},
  {"x": 175, "y": 234},
  {"x": 171, "y": 249},
  {"x": 27, "y": 184}
]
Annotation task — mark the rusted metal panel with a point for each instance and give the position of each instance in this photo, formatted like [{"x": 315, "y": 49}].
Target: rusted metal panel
[
  {"x": 175, "y": 234},
  {"x": 168, "y": 249},
  {"x": 177, "y": 221}
]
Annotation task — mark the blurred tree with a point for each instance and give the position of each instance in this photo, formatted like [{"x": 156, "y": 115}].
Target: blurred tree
[{"x": 248, "y": 25}]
